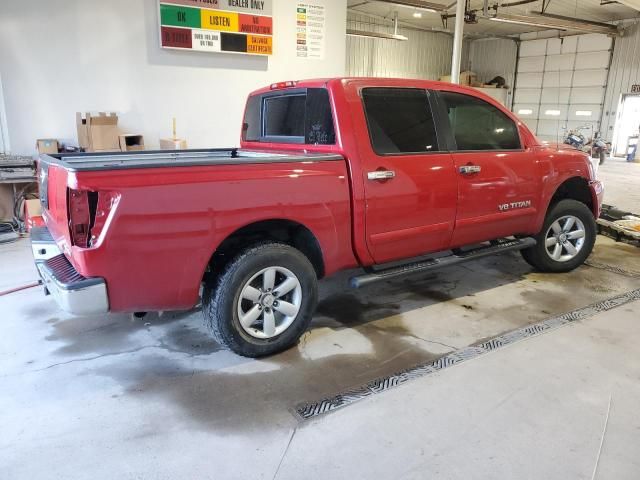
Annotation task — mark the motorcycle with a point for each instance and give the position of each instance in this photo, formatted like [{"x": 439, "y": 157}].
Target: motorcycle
[
  {"x": 599, "y": 148},
  {"x": 575, "y": 139}
]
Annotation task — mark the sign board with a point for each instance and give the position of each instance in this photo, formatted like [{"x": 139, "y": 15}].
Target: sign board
[
  {"x": 219, "y": 26},
  {"x": 635, "y": 88},
  {"x": 310, "y": 30}
]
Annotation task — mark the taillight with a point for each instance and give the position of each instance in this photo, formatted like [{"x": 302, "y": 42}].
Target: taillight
[{"x": 88, "y": 213}]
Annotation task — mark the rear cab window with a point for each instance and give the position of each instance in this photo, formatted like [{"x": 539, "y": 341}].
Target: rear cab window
[{"x": 300, "y": 116}]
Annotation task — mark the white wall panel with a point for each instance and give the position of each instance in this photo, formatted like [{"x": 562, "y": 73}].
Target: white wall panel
[
  {"x": 569, "y": 44},
  {"x": 592, "y": 60},
  {"x": 557, "y": 79},
  {"x": 553, "y": 111},
  {"x": 527, "y": 95},
  {"x": 594, "y": 42},
  {"x": 560, "y": 62},
  {"x": 551, "y": 127},
  {"x": 531, "y": 64},
  {"x": 586, "y": 94},
  {"x": 529, "y": 80},
  {"x": 589, "y": 78},
  {"x": 554, "y": 46},
  {"x": 578, "y": 112},
  {"x": 532, "y": 48},
  {"x": 526, "y": 110},
  {"x": 555, "y": 95}
]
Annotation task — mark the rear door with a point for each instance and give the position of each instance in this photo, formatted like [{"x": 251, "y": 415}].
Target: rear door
[
  {"x": 409, "y": 181},
  {"x": 498, "y": 180}
]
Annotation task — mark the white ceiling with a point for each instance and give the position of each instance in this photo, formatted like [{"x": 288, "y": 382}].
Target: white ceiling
[{"x": 579, "y": 9}]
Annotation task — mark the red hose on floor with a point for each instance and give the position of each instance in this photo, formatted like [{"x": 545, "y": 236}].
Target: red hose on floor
[{"x": 17, "y": 289}]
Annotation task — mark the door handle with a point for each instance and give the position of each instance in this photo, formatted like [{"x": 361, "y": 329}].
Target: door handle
[
  {"x": 470, "y": 169},
  {"x": 381, "y": 175}
]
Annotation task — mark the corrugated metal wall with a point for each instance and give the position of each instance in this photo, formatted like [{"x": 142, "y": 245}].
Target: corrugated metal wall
[
  {"x": 489, "y": 58},
  {"x": 624, "y": 72},
  {"x": 427, "y": 55}
]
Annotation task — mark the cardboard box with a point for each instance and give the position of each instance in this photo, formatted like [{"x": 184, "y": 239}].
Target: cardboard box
[
  {"x": 466, "y": 78},
  {"x": 47, "y": 145},
  {"x": 173, "y": 144},
  {"x": 98, "y": 133},
  {"x": 33, "y": 214},
  {"x": 131, "y": 142}
]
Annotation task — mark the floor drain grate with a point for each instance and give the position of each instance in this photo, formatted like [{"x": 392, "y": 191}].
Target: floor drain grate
[{"x": 313, "y": 409}]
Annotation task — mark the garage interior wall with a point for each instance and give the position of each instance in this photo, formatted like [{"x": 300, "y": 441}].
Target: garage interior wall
[
  {"x": 426, "y": 55},
  {"x": 57, "y": 58},
  {"x": 491, "y": 57},
  {"x": 624, "y": 72}
]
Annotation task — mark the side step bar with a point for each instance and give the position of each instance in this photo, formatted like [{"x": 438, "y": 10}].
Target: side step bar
[{"x": 435, "y": 263}]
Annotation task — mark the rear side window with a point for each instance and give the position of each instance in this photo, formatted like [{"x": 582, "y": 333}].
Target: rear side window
[
  {"x": 478, "y": 125},
  {"x": 399, "y": 120},
  {"x": 292, "y": 116}
]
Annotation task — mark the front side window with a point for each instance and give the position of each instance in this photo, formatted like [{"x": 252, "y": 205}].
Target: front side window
[
  {"x": 399, "y": 120},
  {"x": 478, "y": 125}
]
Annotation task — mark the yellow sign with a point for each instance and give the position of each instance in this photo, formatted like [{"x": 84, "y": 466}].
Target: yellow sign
[
  {"x": 258, "y": 44},
  {"x": 216, "y": 20}
]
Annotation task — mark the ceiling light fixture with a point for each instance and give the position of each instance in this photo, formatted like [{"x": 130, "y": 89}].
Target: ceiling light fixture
[
  {"x": 417, "y": 15},
  {"x": 388, "y": 36}
]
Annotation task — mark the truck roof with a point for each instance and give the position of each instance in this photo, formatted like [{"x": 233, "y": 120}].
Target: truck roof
[{"x": 329, "y": 81}]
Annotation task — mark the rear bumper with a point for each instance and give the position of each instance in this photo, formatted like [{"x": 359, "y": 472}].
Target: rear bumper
[
  {"x": 74, "y": 293},
  {"x": 42, "y": 244}
]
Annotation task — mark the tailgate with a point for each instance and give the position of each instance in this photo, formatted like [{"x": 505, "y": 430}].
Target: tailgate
[{"x": 52, "y": 181}]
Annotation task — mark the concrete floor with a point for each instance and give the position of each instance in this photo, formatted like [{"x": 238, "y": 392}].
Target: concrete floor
[
  {"x": 622, "y": 183},
  {"x": 115, "y": 397}
]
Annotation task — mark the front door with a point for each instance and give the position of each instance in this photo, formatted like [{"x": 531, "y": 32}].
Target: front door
[
  {"x": 409, "y": 184},
  {"x": 498, "y": 180}
]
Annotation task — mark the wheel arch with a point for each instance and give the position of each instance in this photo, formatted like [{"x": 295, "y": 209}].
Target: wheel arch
[
  {"x": 573, "y": 188},
  {"x": 285, "y": 231}
]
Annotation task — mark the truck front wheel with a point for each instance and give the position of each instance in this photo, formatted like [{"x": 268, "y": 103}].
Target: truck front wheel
[
  {"x": 262, "y": 301},
  {"x": 566, "y": 239}
]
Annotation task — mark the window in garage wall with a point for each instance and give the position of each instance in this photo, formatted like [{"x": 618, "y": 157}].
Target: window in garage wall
[{"x": 560, "y": 84}]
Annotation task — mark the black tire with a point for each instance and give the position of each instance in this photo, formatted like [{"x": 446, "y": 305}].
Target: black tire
[
  {"x": 603, "y": 156},
  {"x": 222, "y": 293},
  {"x": 537, "y": 255}
]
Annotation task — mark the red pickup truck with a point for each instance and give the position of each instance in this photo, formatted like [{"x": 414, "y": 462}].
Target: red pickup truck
[{"x": 394, "y": 176}]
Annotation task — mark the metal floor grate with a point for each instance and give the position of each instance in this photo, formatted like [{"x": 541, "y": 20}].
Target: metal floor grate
[{"x": 341, "y": 400}]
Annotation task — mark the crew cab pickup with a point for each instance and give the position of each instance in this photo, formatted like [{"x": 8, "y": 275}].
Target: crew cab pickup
[{"x": 394, "y": 176}]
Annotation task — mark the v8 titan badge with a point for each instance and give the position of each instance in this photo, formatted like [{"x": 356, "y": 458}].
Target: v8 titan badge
[{"x": 514, "y": 205}]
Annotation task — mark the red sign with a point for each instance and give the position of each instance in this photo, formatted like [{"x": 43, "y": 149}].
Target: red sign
[
  {"x": 256, "y": 24},
  {"x": 176, "y": 37}
]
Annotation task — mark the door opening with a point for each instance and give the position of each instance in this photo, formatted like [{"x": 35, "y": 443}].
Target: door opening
[{"x": 627, "y": 124}]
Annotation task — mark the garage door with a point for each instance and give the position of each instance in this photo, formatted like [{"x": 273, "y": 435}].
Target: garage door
[{"x": 560, "y": 84}]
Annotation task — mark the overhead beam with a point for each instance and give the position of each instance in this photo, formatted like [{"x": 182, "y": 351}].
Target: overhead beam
[{"x": 547, "y": 21}]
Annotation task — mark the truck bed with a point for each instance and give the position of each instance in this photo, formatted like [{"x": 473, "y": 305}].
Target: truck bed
[{"x": 76, "y": 162}]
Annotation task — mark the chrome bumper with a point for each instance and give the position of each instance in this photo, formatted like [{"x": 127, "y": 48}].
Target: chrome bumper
[
  {"x": 42, "y": 244},
  {"x": 74, "y": 293}
]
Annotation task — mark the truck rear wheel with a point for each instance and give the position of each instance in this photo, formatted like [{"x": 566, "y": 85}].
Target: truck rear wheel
[
  {"x": 262, "y": 301},
  {"x": 566, "y": 239}
]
